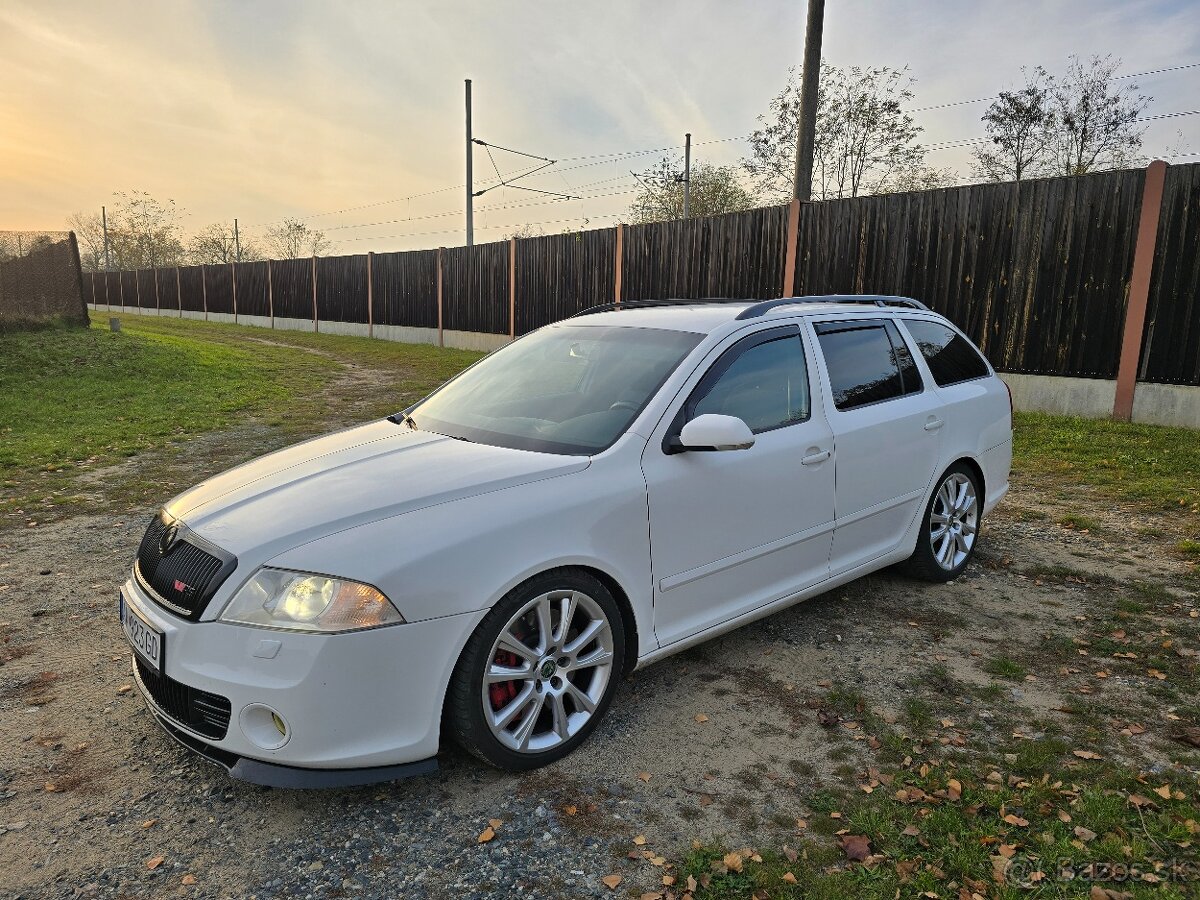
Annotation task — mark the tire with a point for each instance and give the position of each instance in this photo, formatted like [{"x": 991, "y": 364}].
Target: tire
[
  {"x": 540, "y": 714},
  {"x": 942, "y": 555}
]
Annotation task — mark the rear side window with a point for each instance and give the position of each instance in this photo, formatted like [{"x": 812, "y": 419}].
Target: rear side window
[
  {"x": 867, "y": 362},
  {"x": 950, "y": 357}
]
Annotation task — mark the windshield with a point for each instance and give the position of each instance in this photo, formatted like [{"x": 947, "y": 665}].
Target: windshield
[{"x": 566, "y": 389}]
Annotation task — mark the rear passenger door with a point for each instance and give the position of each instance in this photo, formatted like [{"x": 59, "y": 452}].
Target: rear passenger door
[{"x": 887, "y": 436}]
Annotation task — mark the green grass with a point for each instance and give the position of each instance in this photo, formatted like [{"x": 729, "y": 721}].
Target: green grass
[
  {"x": 1003, "y": 667},
  {"x": 74, "y": 394},
  {"x": 73, "y": 398},
  {"x": 1146, "y": 463},
  {"x": 932, "y": 839}
]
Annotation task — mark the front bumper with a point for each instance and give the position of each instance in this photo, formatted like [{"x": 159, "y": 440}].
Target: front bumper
[{"x": 368, "y": 700}]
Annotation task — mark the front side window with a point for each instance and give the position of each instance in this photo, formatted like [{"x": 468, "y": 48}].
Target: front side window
[
  {"x": 765, "y": 385},
  {"x": 867, "y": 362},
  {"x": 566, "y": 389},
  {"x": 949, "y": 355}
]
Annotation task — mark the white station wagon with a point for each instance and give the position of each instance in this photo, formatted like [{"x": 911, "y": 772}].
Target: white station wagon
[{"x": 597, "y": 495}]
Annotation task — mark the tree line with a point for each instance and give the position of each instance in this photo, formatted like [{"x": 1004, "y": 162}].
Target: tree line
[
  {"x": 146, "y": 233},
  {"x": 868, "y": 142}
]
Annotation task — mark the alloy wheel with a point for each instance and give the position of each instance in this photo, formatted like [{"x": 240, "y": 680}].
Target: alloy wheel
[
  {"x": 547, "y": 671},
  {"x": 953, "y": 521}
]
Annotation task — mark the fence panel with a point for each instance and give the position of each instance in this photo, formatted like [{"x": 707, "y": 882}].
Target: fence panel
[
  {"x": 252, "y": 289},
  {"x": 147, "y": 297},
  {"x": 1036, "y": 273},
  {"x": 475, "y": 288},
  {"x": 291, "y": 281},
  {"x": 219, "y": 279},
  {"x": 1171, "y": 344},
  {"x": 405, "y": 288},
  {"x": 558, "y": 275},
  {"x": 128, "y": 293},
  {"x": 191, "y": 288},
  {"x": 733, "y": 255},
  {"x": 342, "y": 289}
]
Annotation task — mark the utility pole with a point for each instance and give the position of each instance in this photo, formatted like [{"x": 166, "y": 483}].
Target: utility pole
[
  {"x": 237, "y": 244},
  {"x": 104, "y": 224},
  {"x": 687, "y": 174},
  {"x": 807, "y": 126},
  {"x": 470, "y": 178}
]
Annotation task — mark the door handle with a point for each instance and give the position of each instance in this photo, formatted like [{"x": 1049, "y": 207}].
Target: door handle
[
  {"x": 813, "y": 458},
  {"x": 934, "y": 424}
]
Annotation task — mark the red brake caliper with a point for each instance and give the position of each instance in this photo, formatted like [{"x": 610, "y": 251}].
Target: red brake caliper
[{"x": 502, "y": 692}]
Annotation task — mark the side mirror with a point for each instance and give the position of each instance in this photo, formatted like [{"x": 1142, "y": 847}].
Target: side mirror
[{"x": 714, "y": 432}]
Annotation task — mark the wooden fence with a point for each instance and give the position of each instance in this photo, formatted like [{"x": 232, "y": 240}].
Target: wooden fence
[{"x": 1039, "y": 273}]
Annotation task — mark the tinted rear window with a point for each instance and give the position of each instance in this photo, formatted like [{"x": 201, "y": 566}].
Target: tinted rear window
[
  {"x": 861, "y": 364},
  {"x": 950, "y": 357}
]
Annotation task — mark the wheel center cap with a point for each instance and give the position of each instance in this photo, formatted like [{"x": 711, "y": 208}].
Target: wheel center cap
[{"x": 549, "y": 667}]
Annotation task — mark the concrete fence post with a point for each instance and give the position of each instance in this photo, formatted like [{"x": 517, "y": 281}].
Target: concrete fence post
[
  {"x": 791, "y": 240},
  {"x": 441, "y": 338},
  {"x": 618, "y": 264},
  {"x": 370, "y": 296},
  {"x": 512, "y": 288},
  {"x": 1139, "y": 290}
]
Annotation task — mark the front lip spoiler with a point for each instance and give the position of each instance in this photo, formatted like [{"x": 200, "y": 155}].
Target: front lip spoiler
[{"x": 268, "y": 774}]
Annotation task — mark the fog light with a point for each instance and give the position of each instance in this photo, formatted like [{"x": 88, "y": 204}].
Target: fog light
[{"x": 264, "y": 727}]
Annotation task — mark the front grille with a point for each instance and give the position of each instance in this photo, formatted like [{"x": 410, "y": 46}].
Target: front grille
[
  {"x": 185, "y": 577},
  {"x": 202, "y": 712}
]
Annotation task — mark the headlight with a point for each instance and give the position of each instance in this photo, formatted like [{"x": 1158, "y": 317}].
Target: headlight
[{"x": 277, "y": 598}]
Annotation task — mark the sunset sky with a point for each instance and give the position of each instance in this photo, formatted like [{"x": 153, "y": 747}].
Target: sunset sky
[{"x": 335, "y": 112}]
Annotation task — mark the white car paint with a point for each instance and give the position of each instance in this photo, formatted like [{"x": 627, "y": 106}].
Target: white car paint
[{"x": 694, "y": 544}]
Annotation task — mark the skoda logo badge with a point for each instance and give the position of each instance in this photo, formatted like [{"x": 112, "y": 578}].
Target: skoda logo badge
[{"x": 167, "y": 541}]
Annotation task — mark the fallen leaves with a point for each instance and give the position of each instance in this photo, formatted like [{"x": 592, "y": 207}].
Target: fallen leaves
[
  {"x": 1086, "y": 754},
  {"x": 154, "y": 862},
  {"x": 644, "y": 776},
  {"x": 188, "y": 879},
  {"x": 1013, "y": 819},
  {"x": 732, "y": 861},
  {"x": 611, "y": 881},
  {"x": 701, "y": 718},
  {"x": 856, "y": 846},
  {"x": 489, "y": 833}
]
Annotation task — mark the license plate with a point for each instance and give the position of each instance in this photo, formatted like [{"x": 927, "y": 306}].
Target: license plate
[{"x": 146, "y": 640}]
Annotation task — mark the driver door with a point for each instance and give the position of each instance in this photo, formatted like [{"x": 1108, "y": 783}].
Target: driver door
[{"x": 733, "y": 530}]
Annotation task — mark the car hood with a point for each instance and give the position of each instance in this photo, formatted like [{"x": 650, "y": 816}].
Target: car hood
[{"x": 350, "y": 478}]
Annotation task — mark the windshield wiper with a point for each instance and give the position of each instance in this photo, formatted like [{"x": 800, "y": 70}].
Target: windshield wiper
[{"x": 403, "y": 418}]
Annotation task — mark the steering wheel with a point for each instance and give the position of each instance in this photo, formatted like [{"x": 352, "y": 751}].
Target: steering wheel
[{"x": 625, "y": 404}]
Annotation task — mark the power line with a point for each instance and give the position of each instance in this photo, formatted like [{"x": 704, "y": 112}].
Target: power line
[{"x": 387, "y": 237}]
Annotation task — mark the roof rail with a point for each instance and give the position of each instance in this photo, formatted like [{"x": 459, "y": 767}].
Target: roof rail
[
  {"x": 641, "y": 304},
  {"x": 759, "y": 309}
]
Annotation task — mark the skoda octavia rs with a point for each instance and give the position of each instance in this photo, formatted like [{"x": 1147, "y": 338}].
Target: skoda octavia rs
[{"x": 601, "y": 493}]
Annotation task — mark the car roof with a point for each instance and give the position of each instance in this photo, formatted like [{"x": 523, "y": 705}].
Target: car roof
[{"x": 707, "y": 316}]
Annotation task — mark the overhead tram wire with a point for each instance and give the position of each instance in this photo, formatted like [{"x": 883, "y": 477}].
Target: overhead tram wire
[{"x": 408, "y": 234}]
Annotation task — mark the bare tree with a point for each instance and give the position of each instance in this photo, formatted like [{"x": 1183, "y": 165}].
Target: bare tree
[
  {"x": 144, "y": 232},
  {"x": 864, "y": 138},
  {"x": 920, "y": 178},
  {"x": 293, "y": 239},
  {"x": 1020, "y": 128},
  {"x": 524, "y": 231},
  {"x": 216, "y": 244},
  {"x": 1095, "y": 120},
  {"x": 714, "y": 190},
  {"x": 89, "y": 231}
]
